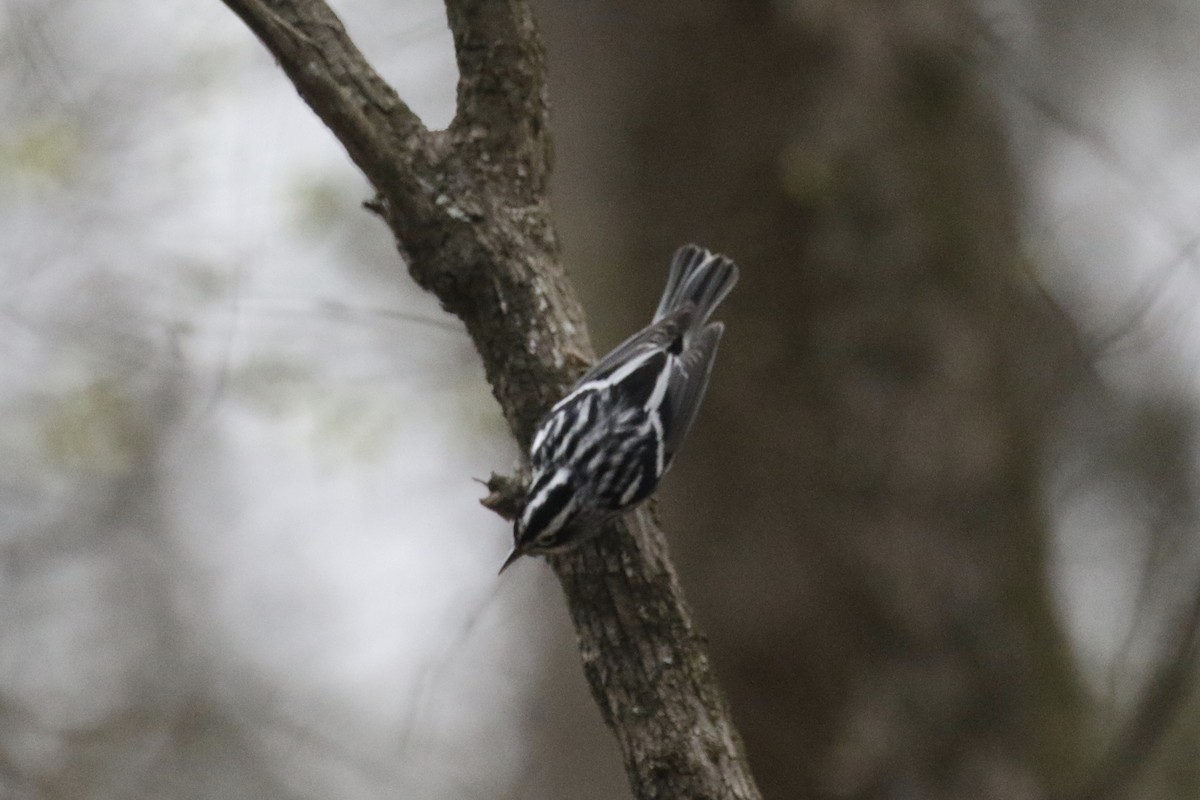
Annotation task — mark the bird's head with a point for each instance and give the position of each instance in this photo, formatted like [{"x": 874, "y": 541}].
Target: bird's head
[{"x": 552, "y": 504}]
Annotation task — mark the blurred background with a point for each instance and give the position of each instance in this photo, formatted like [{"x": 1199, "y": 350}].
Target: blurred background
[{"x": 937, "y": 518}]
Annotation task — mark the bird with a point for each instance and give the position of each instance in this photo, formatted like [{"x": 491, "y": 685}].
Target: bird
[{"x": 603, "y": 448}]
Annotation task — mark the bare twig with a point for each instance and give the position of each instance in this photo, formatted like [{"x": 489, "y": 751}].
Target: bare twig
[{"x": 469, "y": 210}]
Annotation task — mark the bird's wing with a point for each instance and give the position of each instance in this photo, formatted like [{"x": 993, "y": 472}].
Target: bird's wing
[
  {"x": 689, "y": 379},
  {"x": 657, "y": 336}
]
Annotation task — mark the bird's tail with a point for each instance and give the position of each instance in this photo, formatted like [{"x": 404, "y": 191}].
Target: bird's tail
[{"x": 699, "y": 277}]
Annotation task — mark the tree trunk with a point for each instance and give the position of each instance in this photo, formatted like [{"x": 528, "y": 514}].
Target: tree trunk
[{"x": 864, "y": 542}]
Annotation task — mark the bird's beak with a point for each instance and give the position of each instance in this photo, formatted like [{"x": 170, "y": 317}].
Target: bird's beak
[{"x": 516, "y": 553}]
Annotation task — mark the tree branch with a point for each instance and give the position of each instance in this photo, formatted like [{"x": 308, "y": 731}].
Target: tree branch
[
  {"x": 648, "y": 667},
  {"x": 469, "y": 211},
  {"x": 380, "y": 132},
  {"x": 501, "y": 85}
]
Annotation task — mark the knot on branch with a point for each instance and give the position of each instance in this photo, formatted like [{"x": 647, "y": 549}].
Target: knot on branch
[{"x": 506, "y": 495}]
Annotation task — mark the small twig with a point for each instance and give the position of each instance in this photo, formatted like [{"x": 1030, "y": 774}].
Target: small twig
[
  {"x": 506, "y": 496},
  {"x": 1162, "y": 698}
]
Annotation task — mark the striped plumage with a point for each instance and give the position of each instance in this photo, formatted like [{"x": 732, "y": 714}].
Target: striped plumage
[{"x": 604, "y": 447}]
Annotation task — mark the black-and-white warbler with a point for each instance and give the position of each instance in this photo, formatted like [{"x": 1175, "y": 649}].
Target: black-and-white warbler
[{"x": 604, "y": 447}]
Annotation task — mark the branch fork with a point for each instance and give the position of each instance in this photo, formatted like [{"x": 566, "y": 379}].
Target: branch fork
[{"x": 469, "y": 210}]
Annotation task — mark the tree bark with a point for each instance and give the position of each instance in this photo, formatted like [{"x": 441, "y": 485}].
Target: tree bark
[{"x": 469, "y": 210}]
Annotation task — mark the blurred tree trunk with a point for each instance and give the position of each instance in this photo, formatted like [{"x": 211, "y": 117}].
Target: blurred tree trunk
[{"x": 857, "y": 516}]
